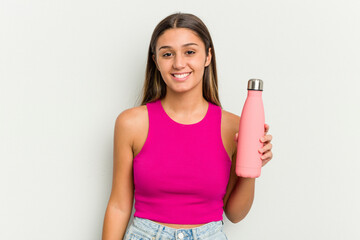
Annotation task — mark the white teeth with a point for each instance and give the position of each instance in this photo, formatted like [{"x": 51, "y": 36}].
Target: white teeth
[{"x": 181, "y": 75}]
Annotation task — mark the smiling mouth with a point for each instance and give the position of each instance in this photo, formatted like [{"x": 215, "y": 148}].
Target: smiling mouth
[{"x": 181, "y": 76}]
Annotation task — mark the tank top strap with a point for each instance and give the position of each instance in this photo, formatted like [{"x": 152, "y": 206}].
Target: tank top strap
[
  {"x": 154, "y": 112},
  {"x": 155, "y": 120}
]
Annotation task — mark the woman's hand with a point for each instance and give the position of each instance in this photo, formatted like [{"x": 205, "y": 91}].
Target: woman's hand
[{"x": 266, "y": 150}]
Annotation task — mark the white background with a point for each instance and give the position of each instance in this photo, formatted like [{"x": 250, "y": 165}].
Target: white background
[{"x": 68, "y": 68}]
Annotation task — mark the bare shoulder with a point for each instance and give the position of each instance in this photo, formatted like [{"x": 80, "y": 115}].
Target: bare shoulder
[
  {"x": 132, "y": 121},
  {"x": 229, "y": 127},
  {"x": 231, "y": 120},
  {"x": 128, "y": 116}
]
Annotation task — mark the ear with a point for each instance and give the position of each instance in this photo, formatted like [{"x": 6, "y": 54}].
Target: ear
[
  {"x": 208, "y": 58},
  {"x": 153, "y": 57}
]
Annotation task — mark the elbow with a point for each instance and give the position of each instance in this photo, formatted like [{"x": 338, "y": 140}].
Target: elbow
[
  {"x": 236, "y": 219},
  {"x": 235, "y": 215},
  {"x": 240, "y": 218}
]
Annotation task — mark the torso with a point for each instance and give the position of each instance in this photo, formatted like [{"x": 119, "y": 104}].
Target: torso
[{"x": 229, "y": 126}]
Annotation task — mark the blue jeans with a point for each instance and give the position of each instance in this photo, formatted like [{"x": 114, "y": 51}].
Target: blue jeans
[{"x": 145, "y": 229}]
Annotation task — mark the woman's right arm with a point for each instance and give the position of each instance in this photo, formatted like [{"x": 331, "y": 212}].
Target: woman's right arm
[{"x": 120, "y": 204}]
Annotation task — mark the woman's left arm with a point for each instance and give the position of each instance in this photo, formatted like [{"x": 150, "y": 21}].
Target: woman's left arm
[{"x": 241, "y": 197}]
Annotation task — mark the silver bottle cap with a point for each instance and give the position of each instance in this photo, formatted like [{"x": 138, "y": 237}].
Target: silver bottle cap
[{"x": 255, "y": 84}]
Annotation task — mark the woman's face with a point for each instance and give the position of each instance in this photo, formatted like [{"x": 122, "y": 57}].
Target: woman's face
[{"x": 181, "y": 59}]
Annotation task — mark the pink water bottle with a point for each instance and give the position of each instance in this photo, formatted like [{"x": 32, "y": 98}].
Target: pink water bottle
[{"x": 251, "y": 129}]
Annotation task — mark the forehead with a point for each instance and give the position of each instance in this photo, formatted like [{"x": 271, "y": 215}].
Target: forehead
[{"x": 176, "y": 37}]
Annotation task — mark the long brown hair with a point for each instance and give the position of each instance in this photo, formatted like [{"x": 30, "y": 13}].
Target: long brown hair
[{"x": 154, "y": 86}]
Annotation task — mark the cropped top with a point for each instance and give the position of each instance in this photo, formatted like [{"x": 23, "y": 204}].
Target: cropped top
[{"x": 182, "y": 170}]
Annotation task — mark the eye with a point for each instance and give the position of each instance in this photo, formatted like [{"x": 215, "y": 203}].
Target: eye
[
  {"x": 166, "y": 55},
  {"x": 190, "y": 52}
]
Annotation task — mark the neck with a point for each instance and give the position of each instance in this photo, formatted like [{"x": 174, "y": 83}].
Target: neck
[{"x": 184, "y": 104}]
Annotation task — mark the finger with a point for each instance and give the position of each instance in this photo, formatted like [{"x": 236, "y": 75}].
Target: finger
[
  {"x": 236, "y": 136},
  {"x": 264, "y": 162},
  {"x": 266, "y": 138},
  {"x": 266, "y": 148},
  {"x": 267, "y": 156}
]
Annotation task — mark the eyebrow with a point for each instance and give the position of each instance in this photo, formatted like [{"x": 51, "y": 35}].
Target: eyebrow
[{"x": 185, "y": 45}]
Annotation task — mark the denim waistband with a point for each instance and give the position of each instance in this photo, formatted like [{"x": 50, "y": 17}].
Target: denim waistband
[{"x": 155, "y": 229}]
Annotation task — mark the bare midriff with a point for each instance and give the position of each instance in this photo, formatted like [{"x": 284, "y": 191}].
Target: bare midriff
[{"x": 177, "y": 226}]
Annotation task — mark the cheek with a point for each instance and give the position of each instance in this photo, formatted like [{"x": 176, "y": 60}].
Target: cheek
[
  {"x": 163, "y": 65},
  {"x": 197, "y": 64}
]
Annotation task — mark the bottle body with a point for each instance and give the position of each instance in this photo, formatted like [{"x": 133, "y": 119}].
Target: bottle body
[{"x": 251, "y": 129}]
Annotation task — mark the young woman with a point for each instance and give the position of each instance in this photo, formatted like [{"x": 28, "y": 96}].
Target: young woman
[{"x": 175, "y": 154}]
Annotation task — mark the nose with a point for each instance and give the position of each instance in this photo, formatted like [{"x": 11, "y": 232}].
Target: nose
[{"x": 179, "y": 62}]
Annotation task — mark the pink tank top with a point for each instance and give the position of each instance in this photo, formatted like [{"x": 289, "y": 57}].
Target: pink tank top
[{"x": 182, "y": 171}]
